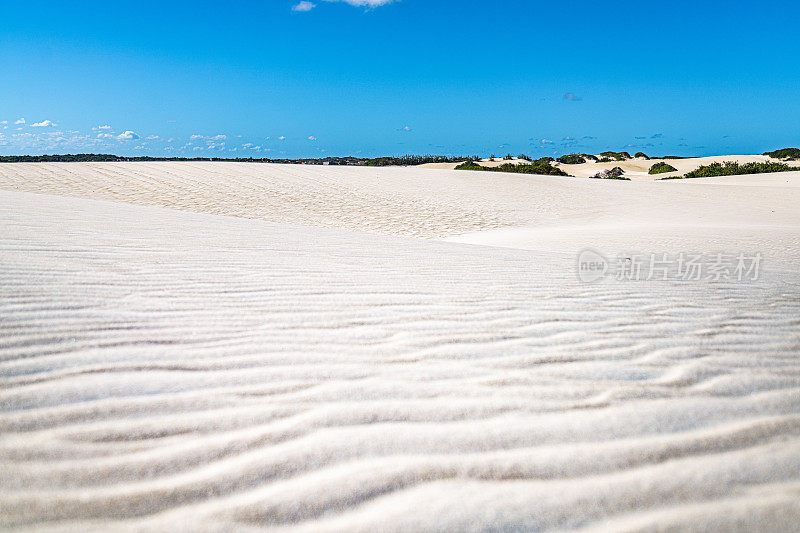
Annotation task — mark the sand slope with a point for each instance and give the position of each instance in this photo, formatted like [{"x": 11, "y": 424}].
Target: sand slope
[{"x": 164, "y": 369}]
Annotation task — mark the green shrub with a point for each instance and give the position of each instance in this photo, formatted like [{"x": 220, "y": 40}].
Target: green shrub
[
  {"x": 616, "y": 156},
  {"x": 540, "y": 166},
  {"x": 641, "y": 154},
  {"x": 660, "y": 168},
  {"x": 469, "y": 165},
  {"x": 571, "y": 159},
  {"x": 785, "y": 153}
]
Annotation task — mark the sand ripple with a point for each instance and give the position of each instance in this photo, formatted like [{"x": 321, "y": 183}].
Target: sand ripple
[{"x": 164, "y": 369}]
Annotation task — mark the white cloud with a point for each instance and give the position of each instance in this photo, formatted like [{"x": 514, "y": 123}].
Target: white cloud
[
  {"x": 209, "y": 140},
  {"x": 6, "y": 122},
  {"x": 127, "y": 136},
  {"x": 281, "y": 138},
  {"x": 547, "y": 141},
  {"x": 43, "y": 124},
  {"x": 20, "y": 121},
  {"x": 312, "y": 138},
  {"x": 106, "y": 127},
  {"x": 364, "y": 3},
  {"x": 105, "y": 136},
  {"x": 152, "y": 137},
  {"x": 304, "y": 6}
]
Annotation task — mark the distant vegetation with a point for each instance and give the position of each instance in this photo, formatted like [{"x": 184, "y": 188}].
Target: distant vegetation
[
  {"x": 540, "y": 166},
  {"x": 407, "y": 160},
  {"x": 641, "y": 154},
  {"x": 660, "y": 168},
  {"x": 412, "y": 160},
  {"x": 99, "y": 158},
  {"x": 730, "y": 168},
  {"x": 571, "y": 159},
  {"x": 70, "y": 158},
  {"x": 785, "y": 153}
]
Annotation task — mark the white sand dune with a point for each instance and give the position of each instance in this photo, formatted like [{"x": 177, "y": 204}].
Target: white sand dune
[
  {"x": 635, "y": 169},
  {"x": 177, "y": 369}
]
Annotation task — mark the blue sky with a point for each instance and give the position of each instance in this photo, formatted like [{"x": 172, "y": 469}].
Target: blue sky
[{"x": 275, "y": 78}]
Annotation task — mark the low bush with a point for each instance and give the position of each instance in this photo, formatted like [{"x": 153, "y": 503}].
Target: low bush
[
  {"x": 785, "y": 153},
  {"x": 470, "y": 165},
  {"x": 641, "y": 154},
  {"x": 660, "y": 168},
  {"x": 571, "y": 159},
  {"x": 616, "y": 156}
]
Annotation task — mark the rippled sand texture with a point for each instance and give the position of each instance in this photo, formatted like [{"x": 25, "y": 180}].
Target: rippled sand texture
[{"x": 170, "y": 370}]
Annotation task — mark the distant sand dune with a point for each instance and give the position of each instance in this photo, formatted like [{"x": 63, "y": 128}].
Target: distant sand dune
[{"x": 165, "y": 369}]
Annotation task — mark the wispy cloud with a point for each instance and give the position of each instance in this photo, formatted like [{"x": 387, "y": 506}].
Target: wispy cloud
[
  {"x": 20, "y": 121},
  {"x": 572, "y": 97},
  {"x": 364, "y": 3},
  {"x": 657, "y": 136},
  {"x": 312, "y": 138},
  {"x": 304, "y": 6},
  {"x": 281, "y": 138},
  {"x": 105, "y": 127},
  {"x": 546, "y": 141}
]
